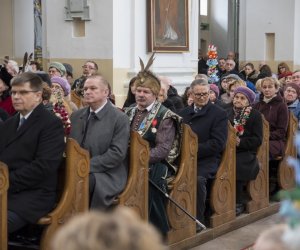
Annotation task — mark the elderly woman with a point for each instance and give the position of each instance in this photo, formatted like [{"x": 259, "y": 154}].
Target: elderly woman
[
  {"x": 248, "y": 125},
  {"x": 275, "y": 110},
  {"x": 291, "y": 96}
]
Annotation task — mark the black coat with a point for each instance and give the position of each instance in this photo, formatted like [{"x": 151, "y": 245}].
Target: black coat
[
  {"x": 210, "y": 125},
  {"x": 246, "y": 162},
  {"x": 33, "y": 154}
]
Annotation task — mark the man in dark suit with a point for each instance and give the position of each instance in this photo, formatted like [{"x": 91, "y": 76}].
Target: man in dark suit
[
  {"x": 104, "y": 131},
  {"x": 209, "y": 122},
  {"x": 32, "y": 145}
]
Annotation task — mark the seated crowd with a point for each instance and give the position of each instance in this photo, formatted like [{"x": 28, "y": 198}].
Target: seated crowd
[{"x": 37, "y": 114}]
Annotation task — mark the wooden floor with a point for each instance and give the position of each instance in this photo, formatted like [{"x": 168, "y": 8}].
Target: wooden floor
[{"x": 212, "y": 233}]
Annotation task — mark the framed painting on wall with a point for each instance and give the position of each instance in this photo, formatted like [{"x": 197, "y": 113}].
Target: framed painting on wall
[{"x": 168, "y": 25}]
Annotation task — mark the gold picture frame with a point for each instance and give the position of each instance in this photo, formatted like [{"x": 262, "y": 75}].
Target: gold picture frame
[{"x": 168, "y": 25}]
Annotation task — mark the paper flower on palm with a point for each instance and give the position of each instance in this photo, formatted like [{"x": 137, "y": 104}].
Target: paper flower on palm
[{"x": 212, "y": 63}]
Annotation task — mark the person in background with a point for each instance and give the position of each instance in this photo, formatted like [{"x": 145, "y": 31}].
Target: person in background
[
  {"x": 163, "y": 97},
  {"x": 130, "y": 99},
  {"x": 35, "y": 66},
  {"x": 56, "y": 69},
  {"x": 5, "y": 97},
  {"x": 69, "y": 73},
  {"x": 187, "y": 98},
  {"x": 291, "y": 96},
  {"x": 214, "y": 95},
  {"x": 12, "y": 68},
  {"x": 296, "y": 77},
  {"x": 282, "y": 70}
]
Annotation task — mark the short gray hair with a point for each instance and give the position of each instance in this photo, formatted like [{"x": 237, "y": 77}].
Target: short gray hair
[{"x": 200, "y": 82}]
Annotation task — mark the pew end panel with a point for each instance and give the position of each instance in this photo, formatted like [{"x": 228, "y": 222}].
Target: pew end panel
[
  {"x": 258, "y": 189},
  {"x": 222, "y": 197},
  {"x": 135, "y": 194},
  {"x": 74, "y": 198},
  {"x": 183, "y": 189},
  {"x": 286, "y": 174},
  {"x": 4, "y": 183}
]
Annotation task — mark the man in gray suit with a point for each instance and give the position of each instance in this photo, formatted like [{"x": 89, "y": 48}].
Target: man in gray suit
[{"x": 104, "y": 131}]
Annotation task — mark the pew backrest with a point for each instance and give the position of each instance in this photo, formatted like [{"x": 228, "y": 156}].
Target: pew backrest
[{"x": 76, "y": 99}]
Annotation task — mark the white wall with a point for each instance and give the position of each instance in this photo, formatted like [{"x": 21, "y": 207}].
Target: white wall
[
  {"x": 130, "y": 43},
  {"x": 297, "y": 34},
  {"x": 60, "y": 42},
  {"x": 23, "y": 25},
  {"x": 219, "y": 25},
  {"x": 268, "y": 16}
]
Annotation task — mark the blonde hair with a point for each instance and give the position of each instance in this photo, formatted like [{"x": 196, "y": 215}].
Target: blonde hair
[
  {"x": 236, "y": 83},
  {"x": 121, "y": 229},
  {"x": 272, "y": 80}
]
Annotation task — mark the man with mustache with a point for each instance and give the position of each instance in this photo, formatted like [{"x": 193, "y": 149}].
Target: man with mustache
[{"x": 162, "y": 129}]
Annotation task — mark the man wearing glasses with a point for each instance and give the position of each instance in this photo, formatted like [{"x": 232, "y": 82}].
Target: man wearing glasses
[
  {"x": 209, "y": 122},
  {"x": 89, "y": 68},
  {"x": 32, "y": 145},
  {"x": 296, "y": 77}
]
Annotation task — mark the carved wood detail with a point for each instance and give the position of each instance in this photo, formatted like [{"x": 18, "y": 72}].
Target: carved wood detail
[
  {"x": 286, "y": 174},
  {"x": 183, "y": 190},
  {"x": 258, "y": 189},
  {"x": 222, "y": 199}
]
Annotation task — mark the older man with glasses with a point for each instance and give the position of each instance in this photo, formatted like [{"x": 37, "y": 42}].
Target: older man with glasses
[
  {"x": 209, "y": 122},
  {"x": 88, "y": 69},
  {"x": 296, "y": 77}
]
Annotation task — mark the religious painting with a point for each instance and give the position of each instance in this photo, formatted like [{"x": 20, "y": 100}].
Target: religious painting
[
  {"x": 168, "y": 25},
  {"x": 37, "y": 30}
]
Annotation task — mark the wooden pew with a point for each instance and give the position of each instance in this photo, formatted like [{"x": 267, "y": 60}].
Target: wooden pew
[
  {"x": 76, "y": 99},
  {"x": 3, "y": 205},
  {"x": 135, "y": 194},
  {"x": 183, "y": 189},
  {"x": 74, "y": 198},
  {"x": 222, "y": 196},
  {"x": 286, "y": 175},
  {"x": 258, "y": 189}
]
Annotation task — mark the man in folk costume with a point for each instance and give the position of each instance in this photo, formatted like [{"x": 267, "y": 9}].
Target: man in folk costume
[{"x": 162, "y": 129}]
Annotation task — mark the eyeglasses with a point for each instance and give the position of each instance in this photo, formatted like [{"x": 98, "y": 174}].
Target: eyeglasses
[
  {"x": 296, "y": 77},
  {"x": 22, "y": 92},
  {"x": 198, "y": 95}
]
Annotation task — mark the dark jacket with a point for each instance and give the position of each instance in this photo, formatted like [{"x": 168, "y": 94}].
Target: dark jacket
[
  {"x": 33, "y": 155},
  {"x": 175, "y": 99},
  {"x": 246, "y": 162},
  {"x": 276, "y": 113},
  {"x": 210, "y": 125}
]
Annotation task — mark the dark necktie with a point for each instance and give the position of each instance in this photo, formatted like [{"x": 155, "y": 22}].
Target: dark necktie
[
  {"x": 90, "y": 117},
  {"x": 22, "y": 120}
]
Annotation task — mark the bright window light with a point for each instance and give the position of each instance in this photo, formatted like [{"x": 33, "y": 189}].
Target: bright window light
[{"x": 203, "y": 7}]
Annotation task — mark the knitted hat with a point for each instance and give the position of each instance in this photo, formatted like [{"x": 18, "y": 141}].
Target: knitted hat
[
  {"x": 63, "y": 83},
  {"x": 147, "y": 79},
  {"x": 294, "y": 86},
  {"x": 5, "y": 76},
  {"x": 215, "y": 89},
  {"x": 59, "y": 66},
  {"x": 250, "y": 95}
]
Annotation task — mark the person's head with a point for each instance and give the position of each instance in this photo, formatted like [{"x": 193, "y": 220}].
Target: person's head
[
  {"x": 163, "y": 93},
  {"x": 89, "y": 68},
  {"x": 282, "y": 68},
  {"x": 35, "y": 66},
  {"x": 249, "y": 68},
  {"x": 243, "y": 97},
  {"x": 131, "y": 91},
  {"x": 296, "y": 77},
  {"x": 265, "y": 70},
  {"x": 12, "y": 67},
  {"x": 262, "y": 63},
  {"x": 187, "y": 97},
  {"x": 95, "y": 91},
  {"x": 231, "y": 55},
  {"x": 46, "y": 94},
  {"x": 200, "y": 92},
  {"x": 213, "y": 92},
  {"x": 120, "y": 229},
  {"x": 258, "y": 85},
  {"x": 222, "y": 63},
  {"x": 270, "y": 87},
  {"x": 69, "y": 72},
  {"x": 233, "y": 81},
  {"x": 201, "y": 76},
  {"x": 271, "y": 239},
  {"x": 291, "y": 92},
  {"x": 288, "y": 78},
  {"x": 5, "y": 79},
  {"x": 147, "y": 90},
  {"x": 166, "y": 81},
  {"x": 56, "y": 69},
  {"x": 59, "y": 83},
  {"x": 230, "y": 65},
  {"x": 26, "y": 91}
]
